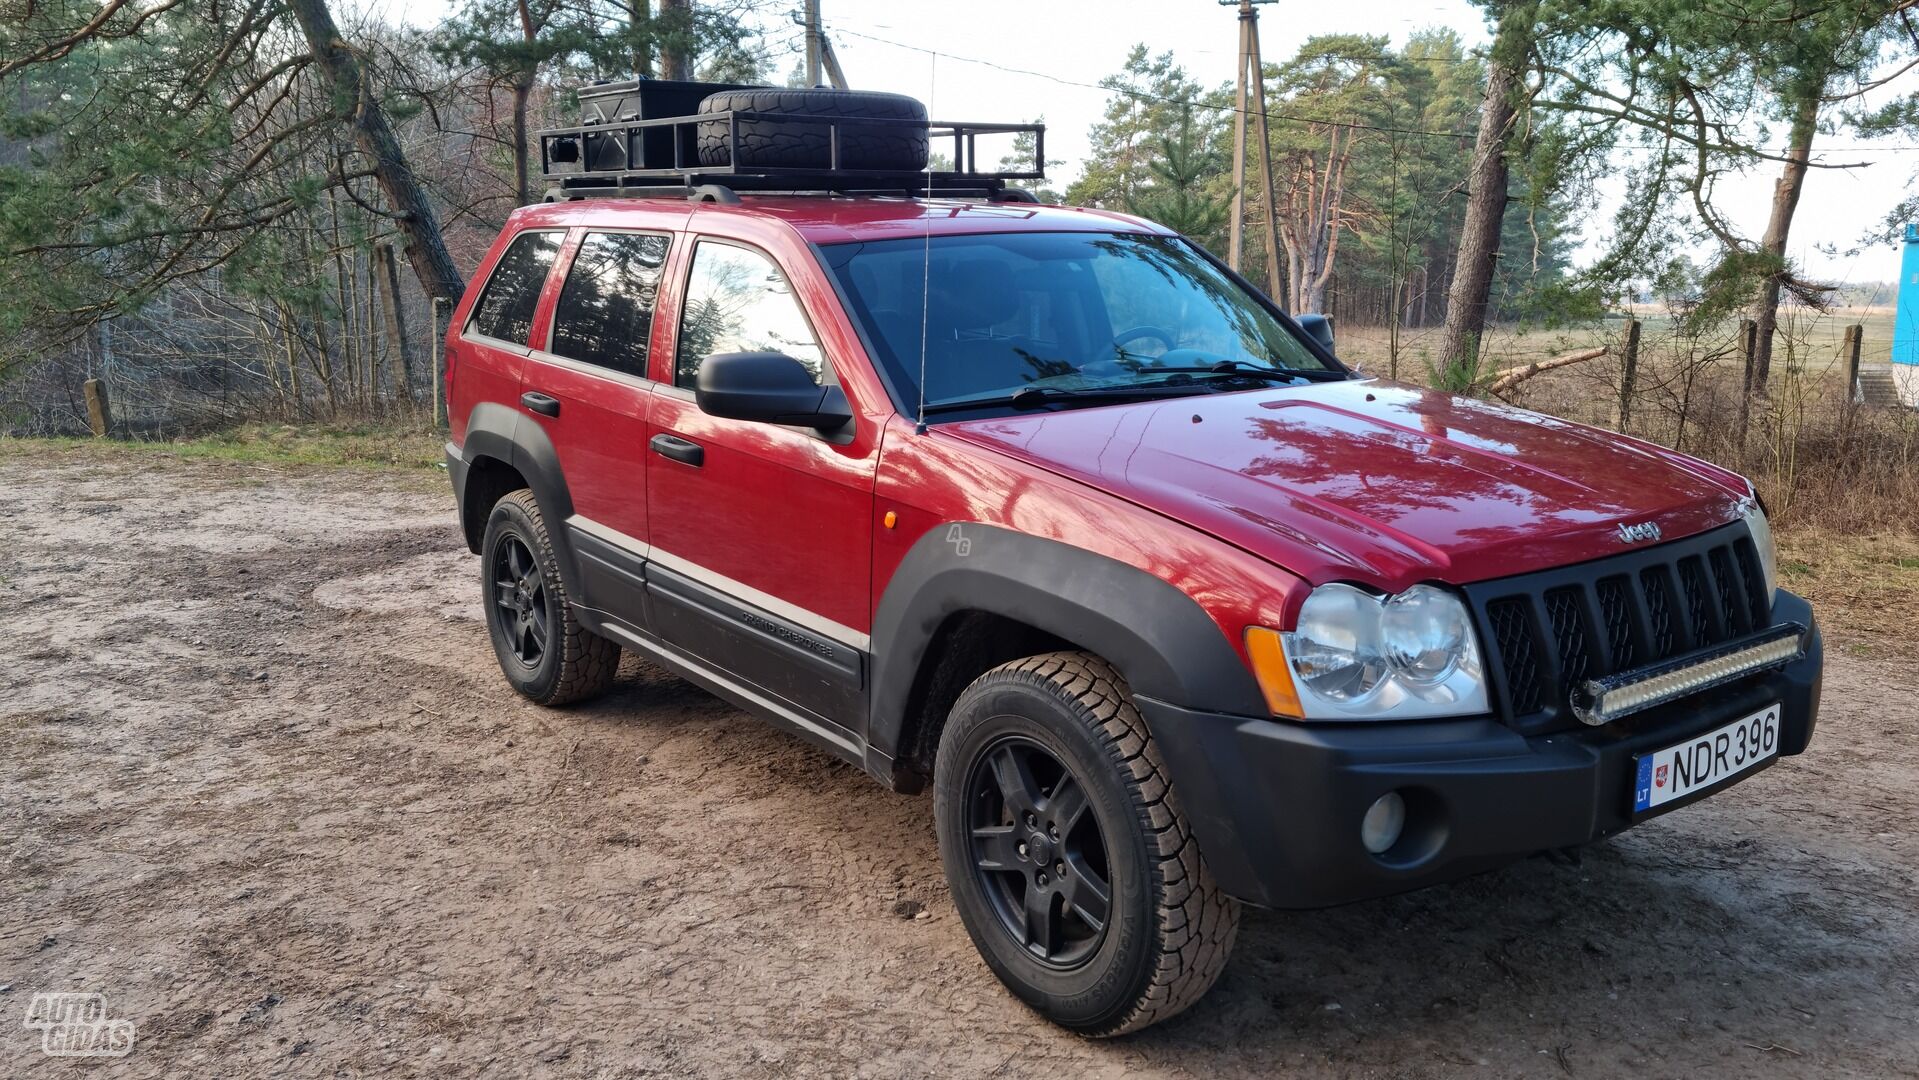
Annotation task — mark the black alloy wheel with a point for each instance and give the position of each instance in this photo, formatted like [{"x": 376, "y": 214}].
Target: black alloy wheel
[
  {"x": 1069, "y": 861},
  {"x": 519, "y": 589},
  {"x": 1038, "y": 854},
  {"x": 544, "y": 651}
]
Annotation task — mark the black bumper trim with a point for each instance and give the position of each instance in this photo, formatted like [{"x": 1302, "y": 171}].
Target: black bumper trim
[{"x": 1276, "y": 805}]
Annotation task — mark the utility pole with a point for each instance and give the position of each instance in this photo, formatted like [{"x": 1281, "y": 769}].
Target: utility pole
[
  {"x": 812, "y": 16},
  {"x": 833, "y": 72},
  {"x": 819, "y": 49},
  {"x": 1252, "y": 69}
]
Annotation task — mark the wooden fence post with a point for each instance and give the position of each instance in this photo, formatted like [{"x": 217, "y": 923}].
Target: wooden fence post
[
  {"x": 99, "y": 415},
  {"x": 1854, "y": 334},
  {"x": 1628, "y": 375},
  {"x": 442, "y": 311}
]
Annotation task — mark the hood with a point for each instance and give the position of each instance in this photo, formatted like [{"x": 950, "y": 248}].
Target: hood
[{"x": 1376, "y": 482}]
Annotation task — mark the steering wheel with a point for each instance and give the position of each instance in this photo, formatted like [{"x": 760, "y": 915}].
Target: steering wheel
[{"x": 1157, "y": 333}]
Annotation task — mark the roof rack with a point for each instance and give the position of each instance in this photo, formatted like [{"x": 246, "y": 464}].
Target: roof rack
[{"x": 659, "y": 158}]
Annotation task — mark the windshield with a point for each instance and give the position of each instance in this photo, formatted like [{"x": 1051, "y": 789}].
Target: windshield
[{"x": 1073, "y": 315}]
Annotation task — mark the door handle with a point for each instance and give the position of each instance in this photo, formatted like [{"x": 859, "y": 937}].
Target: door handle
[
  {"x": 540, "y": 403},
  {"x": 679, "y": 449}
]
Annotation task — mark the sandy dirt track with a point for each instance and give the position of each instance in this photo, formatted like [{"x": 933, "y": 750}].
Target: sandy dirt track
[{"x": 263, "y": 787}]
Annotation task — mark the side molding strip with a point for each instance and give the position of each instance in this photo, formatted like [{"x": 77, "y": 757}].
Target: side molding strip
[{"x": 819, "y": 624}]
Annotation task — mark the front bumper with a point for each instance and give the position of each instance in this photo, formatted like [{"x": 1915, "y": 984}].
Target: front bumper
[{"x": 1276, "y": 806}]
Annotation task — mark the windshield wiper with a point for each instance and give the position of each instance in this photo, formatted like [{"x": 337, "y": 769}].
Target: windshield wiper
[
  {"x": 1032, "y": 397},
  {"x": 1242, "y": 367}
]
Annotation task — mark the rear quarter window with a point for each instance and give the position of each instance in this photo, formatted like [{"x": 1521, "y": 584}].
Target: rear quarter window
[{"x": 505, "y": 310}]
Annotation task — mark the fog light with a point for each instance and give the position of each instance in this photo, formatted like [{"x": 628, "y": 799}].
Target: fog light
[{"x": 1379, "y": 830}]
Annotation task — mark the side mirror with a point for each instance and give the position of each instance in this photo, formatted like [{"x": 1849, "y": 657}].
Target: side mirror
[
  {"x": 1317, "y": 327},
  {"x": 768, "y": 387}
]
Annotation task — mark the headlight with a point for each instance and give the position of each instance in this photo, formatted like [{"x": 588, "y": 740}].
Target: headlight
[
  {"x": 1357, "y": 656},
  {"x": 1337, "y": 653},
  {"x": 1761, "y": 530}
]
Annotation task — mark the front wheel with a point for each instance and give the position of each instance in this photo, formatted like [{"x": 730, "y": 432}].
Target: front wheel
[
  {"x": 544, "y": 651},
  {"x": 1068, "y": 858}
]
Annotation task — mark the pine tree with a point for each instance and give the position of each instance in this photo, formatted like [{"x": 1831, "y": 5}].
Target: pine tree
[
  {"x": 1149, "y": 95},
  {"x": 1174, "y": 193}
]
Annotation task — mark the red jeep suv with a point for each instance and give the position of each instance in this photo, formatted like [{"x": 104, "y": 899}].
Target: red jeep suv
[{"x": 1049, "y": 510}]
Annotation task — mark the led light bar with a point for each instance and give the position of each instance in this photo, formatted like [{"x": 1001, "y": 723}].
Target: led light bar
[{"x": 1600, "y": 701}]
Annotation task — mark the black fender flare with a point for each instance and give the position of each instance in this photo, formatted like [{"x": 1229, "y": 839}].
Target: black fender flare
[
  {"x": 504, "y": 434},
  {"x": 1159, "y": 638}
]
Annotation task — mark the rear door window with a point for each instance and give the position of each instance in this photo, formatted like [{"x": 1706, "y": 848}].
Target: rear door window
[
  {"x": 505, "y": 310},
  {"x": 605, "y": 313}
]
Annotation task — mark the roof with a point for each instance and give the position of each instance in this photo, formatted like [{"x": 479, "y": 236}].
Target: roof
[{"x": 825, "y": 219}]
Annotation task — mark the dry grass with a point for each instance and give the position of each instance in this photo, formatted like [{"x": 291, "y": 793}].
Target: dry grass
[
  {"x": 1864, "y": 587},
  {"x": 363, "y": 446},
  {"x": 1373, "y": 347}
]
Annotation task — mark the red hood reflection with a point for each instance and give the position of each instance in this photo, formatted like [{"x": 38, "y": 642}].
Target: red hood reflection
[{"x": 1374, "y": 481}]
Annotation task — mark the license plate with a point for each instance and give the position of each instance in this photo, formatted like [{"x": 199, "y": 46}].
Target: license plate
[{"x": 1699, "y": 763}]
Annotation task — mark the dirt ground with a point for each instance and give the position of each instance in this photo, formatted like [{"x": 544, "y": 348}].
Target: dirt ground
[{"x": 264, "y": 788}]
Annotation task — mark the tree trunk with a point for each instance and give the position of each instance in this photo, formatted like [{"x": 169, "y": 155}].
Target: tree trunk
[
  {"x": 340, "y": 68},
  {"x": 639, "y": 20},
  {"x": 293, "y": 363},
  {"x": 1323, "y": 244},
  {"x": 522, "y": 90},
  {"x": 1785, "y": 202},
  {"x": 396, "y": 320},
  {"x": 322, "y": 357},
  {"x": 522, "y": 183},
  {"x": 1486, "y": 200},
  {"x": 676, "y": 40}
]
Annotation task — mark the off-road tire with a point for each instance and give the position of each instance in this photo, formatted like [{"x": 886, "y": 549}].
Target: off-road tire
[
  {"x": 1169, "y": 929},
  {"x": 797, "y": 144},
  {"x": 577, "y": 664}
]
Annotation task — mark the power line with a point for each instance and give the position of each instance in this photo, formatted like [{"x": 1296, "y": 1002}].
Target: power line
[
  {"x": 1351, "y": 125},
  {"x": 1138, "y": 95}
]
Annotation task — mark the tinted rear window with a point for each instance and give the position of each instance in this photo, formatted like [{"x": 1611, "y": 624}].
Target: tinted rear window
[
  {"x": 505, "y": 310},
  {"x": 606, "y": 308}
]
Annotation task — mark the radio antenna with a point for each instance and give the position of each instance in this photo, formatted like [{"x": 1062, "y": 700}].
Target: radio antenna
[{"x": 926, "y": 258}]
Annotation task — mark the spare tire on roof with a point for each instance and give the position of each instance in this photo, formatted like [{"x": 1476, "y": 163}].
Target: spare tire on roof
[{"x": 796, "y": 143}]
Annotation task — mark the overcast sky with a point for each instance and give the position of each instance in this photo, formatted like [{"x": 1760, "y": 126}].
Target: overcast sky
[{"x": 932, "y": 51}]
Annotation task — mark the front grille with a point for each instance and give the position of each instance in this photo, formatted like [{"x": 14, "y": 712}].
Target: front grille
[
  {"x": 1513, "y": 632},
  {"x": 1564, "y": 607},
  {"x": 1690, "y": 575},
  {"x": 1616, "y": 607},
  {"x": 1652, "y": 593},
  {"x": 1549, "y": 631}
]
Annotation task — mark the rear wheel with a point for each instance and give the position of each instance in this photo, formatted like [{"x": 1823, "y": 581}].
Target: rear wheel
[
  {"x": 1068, "y": 859},
  {"x": 543, "y": 650}
]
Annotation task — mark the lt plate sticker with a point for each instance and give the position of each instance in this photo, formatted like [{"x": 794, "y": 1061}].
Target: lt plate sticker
[{"x": 1677, "y": 771}]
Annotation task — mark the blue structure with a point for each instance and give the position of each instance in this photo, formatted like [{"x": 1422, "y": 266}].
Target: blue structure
[{"x": 1905, "y": 322}]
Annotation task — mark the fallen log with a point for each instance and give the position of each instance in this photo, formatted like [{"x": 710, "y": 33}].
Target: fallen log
[{"x": 1513, "y": 376}]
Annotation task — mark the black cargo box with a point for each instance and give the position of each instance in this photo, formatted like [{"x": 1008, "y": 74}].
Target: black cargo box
[{"x": 644, "y": 99}]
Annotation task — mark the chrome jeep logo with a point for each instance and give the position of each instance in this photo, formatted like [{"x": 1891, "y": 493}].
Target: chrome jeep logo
[{"x": 1639, "y": 533}]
